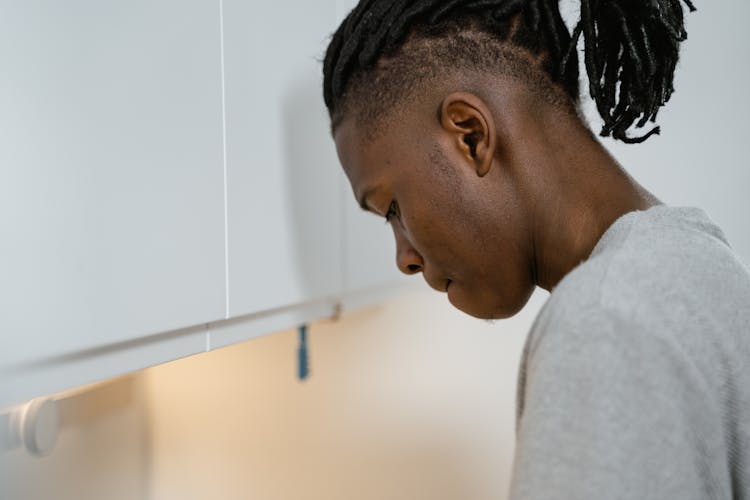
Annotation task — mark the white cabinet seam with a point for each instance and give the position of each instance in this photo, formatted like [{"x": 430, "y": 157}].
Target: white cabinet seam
[{"x": 224, "y": 159}]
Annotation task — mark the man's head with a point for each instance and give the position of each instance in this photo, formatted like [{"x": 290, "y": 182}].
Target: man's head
[
  {"x": 427, "y": 54},
  {"x": 454, "y": 118}
]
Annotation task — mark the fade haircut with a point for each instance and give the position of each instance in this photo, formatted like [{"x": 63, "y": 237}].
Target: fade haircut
[{"x": 385, "y": 49}]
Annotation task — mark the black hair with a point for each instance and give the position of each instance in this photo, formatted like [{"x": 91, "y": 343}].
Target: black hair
[{"x": 384, "y": 48}]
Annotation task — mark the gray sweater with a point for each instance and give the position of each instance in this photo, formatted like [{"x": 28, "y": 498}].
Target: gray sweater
[{"x": 635, "y": 378}]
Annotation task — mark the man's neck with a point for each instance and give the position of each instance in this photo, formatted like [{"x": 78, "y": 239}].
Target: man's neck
[{"x": 587, "y": 192}]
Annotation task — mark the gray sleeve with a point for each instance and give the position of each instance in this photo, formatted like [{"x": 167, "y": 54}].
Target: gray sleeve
[{"x": 614, "y": 411}]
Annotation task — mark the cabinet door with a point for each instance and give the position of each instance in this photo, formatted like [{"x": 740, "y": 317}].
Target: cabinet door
[
  {"x": 284, "y": 183},
  {"x": 111, "y": 176}
]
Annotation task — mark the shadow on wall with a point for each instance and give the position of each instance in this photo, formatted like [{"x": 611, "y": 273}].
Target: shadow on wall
[{"x": 314, "y": 180}]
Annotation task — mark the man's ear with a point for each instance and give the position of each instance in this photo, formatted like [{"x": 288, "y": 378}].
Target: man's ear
[{"x": 468, "y": 120}]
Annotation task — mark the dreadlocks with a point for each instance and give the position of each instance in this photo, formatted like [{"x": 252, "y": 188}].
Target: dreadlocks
[{"x": 385, "y": 48}]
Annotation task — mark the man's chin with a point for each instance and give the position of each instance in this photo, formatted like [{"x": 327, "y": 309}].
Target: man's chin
[
  {"x": 486, "y": 310},
  {"x": 469, "y": 307}
]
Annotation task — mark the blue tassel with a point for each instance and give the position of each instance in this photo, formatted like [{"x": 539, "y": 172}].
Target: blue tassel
[{"x": 302, "y": 363}]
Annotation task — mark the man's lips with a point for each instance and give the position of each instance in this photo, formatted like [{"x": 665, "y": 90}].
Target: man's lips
[{"x": 439, "y": 285}]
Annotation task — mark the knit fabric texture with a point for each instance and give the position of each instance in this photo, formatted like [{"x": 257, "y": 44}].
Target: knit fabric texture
[{"x": 635, "y": 377}]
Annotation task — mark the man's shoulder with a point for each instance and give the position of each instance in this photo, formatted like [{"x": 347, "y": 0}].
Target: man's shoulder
[
  {"x": 652, "y": 272},
  {"x": 650, "y": 260}
]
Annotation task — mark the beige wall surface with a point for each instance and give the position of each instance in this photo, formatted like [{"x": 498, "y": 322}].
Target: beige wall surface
[
  {"x": 411, "y": 400},
  {"x": 102, "y": 451},
  {"x": 408, "y": 400}
]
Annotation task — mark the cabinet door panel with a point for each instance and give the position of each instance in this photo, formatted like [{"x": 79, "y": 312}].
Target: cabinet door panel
[
  {"x": 111, "y": 178},
  {"x": 284, "y": 183}
]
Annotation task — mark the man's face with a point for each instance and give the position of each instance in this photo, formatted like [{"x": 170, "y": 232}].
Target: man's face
[{"x": 462, "y": 231}]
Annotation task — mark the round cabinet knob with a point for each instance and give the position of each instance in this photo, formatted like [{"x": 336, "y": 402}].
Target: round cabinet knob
[{"x": 39, "y": 426}]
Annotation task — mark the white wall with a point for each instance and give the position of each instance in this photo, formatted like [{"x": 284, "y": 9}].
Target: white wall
[{"x": 701, "y": 157}]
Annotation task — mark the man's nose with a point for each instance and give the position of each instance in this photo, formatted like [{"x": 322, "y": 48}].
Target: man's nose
[{"x": 408, "y": 260}]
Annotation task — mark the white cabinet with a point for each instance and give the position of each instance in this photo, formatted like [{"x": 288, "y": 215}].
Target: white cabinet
[
  {"x": 168, "y": 185},
  {"x": 111, "y": 178},
  {"x": 284, "y": 181},
  {"x": 297, "y": 248}
]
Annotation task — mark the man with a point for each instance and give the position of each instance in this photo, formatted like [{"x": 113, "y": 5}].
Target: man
[{"x": 459, "y": 123}]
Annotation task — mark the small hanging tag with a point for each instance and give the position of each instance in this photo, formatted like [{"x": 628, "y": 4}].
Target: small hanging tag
[{"x": 303, "y": 369}]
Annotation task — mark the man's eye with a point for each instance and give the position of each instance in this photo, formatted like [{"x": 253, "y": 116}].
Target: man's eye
[{"x": 392, "y": 211}]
